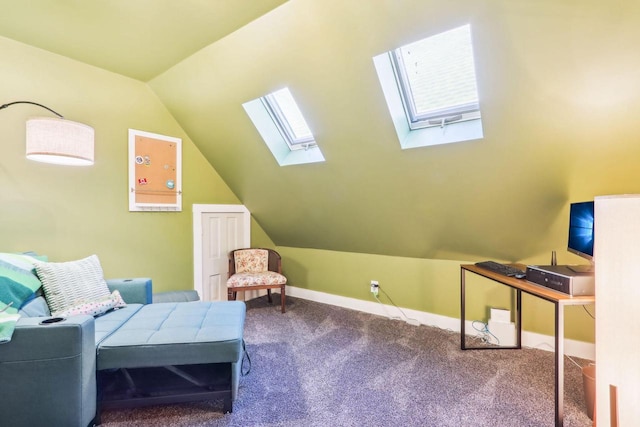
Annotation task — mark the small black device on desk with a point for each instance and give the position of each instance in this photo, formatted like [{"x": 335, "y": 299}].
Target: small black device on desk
[{"x": 506, "y": 270}]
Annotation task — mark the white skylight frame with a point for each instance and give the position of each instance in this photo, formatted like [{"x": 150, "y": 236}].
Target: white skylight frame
[
  {"x": 453, "y": 123},
  {"x": 289, "y": 119},
  {"x": 283, "y": 128}
]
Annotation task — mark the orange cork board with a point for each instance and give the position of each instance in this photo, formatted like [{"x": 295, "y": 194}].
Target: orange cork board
[{"x": 154, "y": 165}]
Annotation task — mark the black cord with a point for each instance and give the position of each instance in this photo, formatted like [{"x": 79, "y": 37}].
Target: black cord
[
  {"x": 32, "y": 103},
  {"x": 246, "y": 353},
  {"x": 387, "y": 295}
]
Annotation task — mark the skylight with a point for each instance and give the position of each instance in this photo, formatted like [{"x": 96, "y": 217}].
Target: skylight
[
  {"x": 283, "y": 128},
  {"x": 288, "y": 117},
  {"x": 437, "y": 78},
  {"x": 431, "y": 90}
]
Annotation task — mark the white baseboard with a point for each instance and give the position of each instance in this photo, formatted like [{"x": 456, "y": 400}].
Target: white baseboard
[{"x": 529, "y": 339}]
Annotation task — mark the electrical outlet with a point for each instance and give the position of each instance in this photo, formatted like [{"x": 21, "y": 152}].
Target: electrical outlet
[{"x": 375, "y": 287}]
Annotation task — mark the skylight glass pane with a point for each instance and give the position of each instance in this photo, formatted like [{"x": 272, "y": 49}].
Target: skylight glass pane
[
  {"x": 440, "y": 74},
  {"x": 266, "y": 116},
  {"x": 291, "y": 117}
]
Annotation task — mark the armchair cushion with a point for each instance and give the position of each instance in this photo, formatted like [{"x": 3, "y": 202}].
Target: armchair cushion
[
  {"x": 256, "y": 279},
  {"x": 251, "y": 260}
]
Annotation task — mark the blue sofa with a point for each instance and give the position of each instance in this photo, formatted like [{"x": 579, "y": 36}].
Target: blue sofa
[{"x": 55, "y": 372}]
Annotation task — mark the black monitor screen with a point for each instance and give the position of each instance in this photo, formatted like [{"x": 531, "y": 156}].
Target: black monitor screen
[{"x": 581, "y": 229}]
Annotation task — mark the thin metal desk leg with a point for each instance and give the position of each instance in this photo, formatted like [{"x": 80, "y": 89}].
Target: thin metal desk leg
[
  {"x": 559, "y": 365},
  {"x": 519, "y": 317},
  {"x": 462, "y": 308}
]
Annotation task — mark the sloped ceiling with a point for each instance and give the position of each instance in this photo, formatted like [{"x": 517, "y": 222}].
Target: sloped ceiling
[
  {"x": 542, "y": 91},
  {"x": 136, "y": 38},
  {"x": 559, "y": 97}
]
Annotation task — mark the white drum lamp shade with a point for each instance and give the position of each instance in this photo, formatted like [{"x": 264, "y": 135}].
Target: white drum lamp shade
[{"x": 59, "y": 141}]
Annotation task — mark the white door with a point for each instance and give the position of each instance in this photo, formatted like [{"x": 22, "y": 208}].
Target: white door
[
  {"x": 221, "y": 233},
  {"x": 218, "y": 229}
]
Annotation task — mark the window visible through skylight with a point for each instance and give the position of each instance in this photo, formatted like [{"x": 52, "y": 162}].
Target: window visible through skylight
[
  {"x": 431, "y": 91},
  {"x": 437, "y": 78},
  {"x": 289, "y": 119}
]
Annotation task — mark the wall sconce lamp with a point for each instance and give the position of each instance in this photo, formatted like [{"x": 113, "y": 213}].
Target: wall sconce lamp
[{"x": 57, "y": 140}]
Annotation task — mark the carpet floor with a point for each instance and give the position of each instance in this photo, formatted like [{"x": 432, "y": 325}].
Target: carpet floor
[{"x": 320, "y": 365}]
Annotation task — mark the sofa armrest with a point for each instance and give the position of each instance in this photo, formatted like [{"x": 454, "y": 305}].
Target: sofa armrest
[
  {"x": 56, "y": 360},
  {"x": 133, "y": 291}
]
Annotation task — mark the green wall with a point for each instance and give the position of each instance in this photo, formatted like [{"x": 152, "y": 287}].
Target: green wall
[
  {"x": 69, "y": 213},
  {"x": 422, "y": 284}
]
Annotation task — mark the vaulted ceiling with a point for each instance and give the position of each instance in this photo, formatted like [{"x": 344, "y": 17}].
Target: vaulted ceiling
[
  {"x": 139, "y": 38},
  {"x": 558, "y": 90}
]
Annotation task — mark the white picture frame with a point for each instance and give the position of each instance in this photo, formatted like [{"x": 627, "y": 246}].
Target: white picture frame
[{"x": 155, "y": 172}]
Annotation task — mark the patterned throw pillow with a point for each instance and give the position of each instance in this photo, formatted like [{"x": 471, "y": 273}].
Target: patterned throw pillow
[
  {"x": 94, "y": 308},
  {"x": 67, "y": 284},
  {"x": 117, "y": 300}
]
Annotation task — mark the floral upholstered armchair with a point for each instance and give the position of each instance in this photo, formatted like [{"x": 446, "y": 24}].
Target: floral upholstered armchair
[{"x": 255, "y": 269}]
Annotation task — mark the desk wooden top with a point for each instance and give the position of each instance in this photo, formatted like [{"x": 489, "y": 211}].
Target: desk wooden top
[{"x": 530, "y": 287}]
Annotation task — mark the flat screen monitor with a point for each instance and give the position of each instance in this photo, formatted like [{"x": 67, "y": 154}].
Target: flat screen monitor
[{"x": 581, "y": 232}]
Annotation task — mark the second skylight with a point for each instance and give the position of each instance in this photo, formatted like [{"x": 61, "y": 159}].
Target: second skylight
[{"x": 437, "y": 78}]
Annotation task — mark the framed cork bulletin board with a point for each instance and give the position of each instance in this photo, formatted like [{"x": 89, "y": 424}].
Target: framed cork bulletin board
[{"x": 155, "y": 172}]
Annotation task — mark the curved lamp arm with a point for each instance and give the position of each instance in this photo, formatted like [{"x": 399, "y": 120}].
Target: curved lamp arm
[{"x": 32, "y": 103}]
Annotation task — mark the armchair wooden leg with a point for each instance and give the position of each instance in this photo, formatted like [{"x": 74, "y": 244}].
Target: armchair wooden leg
[
  {"x": 231, "y": 295},
  {"x": 269, "y": 296}
]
